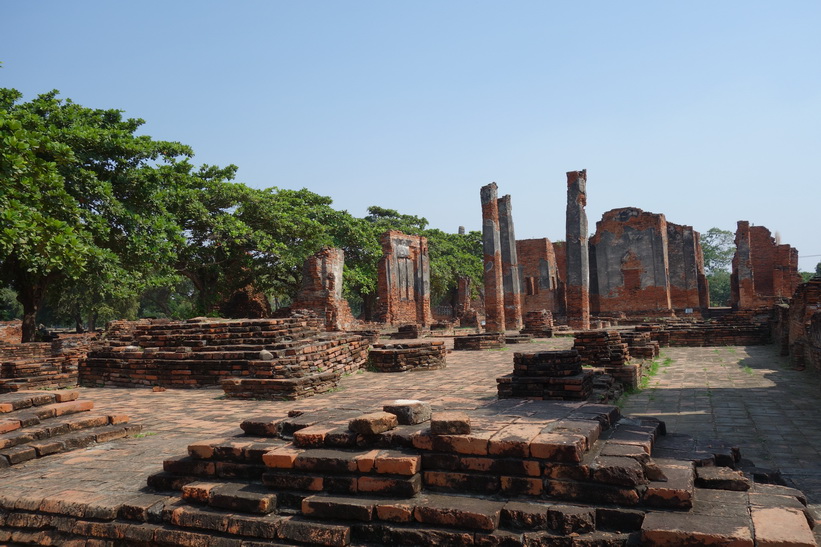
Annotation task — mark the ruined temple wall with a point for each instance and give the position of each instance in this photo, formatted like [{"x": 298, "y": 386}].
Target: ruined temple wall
[
  {"x": 686, "y": 268},
  {"x": 804, "y": 325},
  {"x": 321, "y": 289},
  {"x": 763, "y": 271},
  {"x": 632, "y": 269},
  {"x": 404, "y": 280},
  {"x": 540, "y": 276}
]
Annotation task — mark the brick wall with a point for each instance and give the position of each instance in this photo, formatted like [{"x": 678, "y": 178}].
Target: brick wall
[
  {"x": 404, "y": 280},
  {"x": 764, "y": 272},
  {"x": 540, "y": 275},
  {"x": 632, "y": 267},
  {"x": 321, "y": 290}
]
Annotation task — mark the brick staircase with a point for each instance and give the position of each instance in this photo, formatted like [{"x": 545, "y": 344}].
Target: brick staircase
[
  {"x": 282, "y": 358},
  {"x": 34, "y": 424},
  {"x": 405, "y": 477},
  {"x": 338, "y": 477}
]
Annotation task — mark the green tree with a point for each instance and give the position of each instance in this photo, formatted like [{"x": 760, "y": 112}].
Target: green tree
[
  {"x": 718, "y": 248},
  {"x": 81, "y": 190}
]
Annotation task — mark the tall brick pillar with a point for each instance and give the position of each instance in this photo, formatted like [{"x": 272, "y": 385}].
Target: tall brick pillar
[
  {"x": 511, "y": 277},
  {"x": 492, "y": 250},
  {"x": 742, "y": 285},
  {"x": 577, "y": 255}
]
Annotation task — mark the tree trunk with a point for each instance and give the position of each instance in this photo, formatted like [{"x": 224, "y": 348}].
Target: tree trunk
[
  {"x": 78, "y": 323},
  {"x": 369, "y": 306},
  {"x": 30, "y": 295}
]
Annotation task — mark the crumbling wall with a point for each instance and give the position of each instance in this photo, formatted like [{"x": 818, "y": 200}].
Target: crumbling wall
[
  {"x": 404, "y": 280},
  {"x": 321, "y": 289},
  {"x": 688, "y": 283},
  {"x": 804, "y": 325},
  {"x": 540, "y": 275},
  {"x": 764, "y": 271},
  {"x": 246, "y": 303},
  {"x": 632, "y": 269}
]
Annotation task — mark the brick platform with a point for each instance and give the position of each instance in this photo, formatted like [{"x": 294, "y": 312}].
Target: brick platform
[
  {"x": 403, "y": 357},
  {"x": 546, "y": 375},
  {"x": 37, "y": 365},
  {"x": 267, "y": 358},
  {"x": 476, "y": 342}
]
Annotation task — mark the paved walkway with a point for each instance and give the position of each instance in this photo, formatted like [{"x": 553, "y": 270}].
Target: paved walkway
[{"x": 747, "y": 395}]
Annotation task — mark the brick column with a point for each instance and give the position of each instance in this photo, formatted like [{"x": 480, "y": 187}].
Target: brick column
[
  {"x": 492, "y": 250},
  {"x": 577, "y": 256},
  {"x": 511, "y": 277},
  {"x": 742, "y": 284}
]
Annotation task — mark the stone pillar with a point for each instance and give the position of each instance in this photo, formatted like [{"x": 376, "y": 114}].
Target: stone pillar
[
  {"x": 511, "y": 276},
  {"x": 404, "y": 280},
  {"x": 463, "y": 295},
  {"x": 492, "y": 250},
  {"x": 577, "y": 255}
]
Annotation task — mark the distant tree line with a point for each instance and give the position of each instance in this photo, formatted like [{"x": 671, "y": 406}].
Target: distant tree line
[{"x": 101, "y": 223}]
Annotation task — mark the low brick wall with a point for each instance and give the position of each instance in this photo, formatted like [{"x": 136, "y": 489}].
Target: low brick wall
[
  {"x": 402, "y": 357},
  {"x": 281, "y": 358},
  {"x": 546, "y": 375},
  {"x": 475, "y": 342}
]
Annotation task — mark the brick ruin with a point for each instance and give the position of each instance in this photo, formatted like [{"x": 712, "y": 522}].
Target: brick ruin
[
  {"x": 404, "y": 357},
  {"x": 642, "y": 265},
  {"x": 404, "y": 280},
  {"x": 577, "y": 256},
  {"x": 542, "y": 277},
  {"x": 798, "y": 326},
  {"x": 43, "y": 365},
  {"x": 36, "y": 424},
  {"x": 764, "y": 271},
  {"x": 285, "y": 358},
  {"x": 494, "y": 299},
  {"x": 410, "y": 475},
  {"x": 321, "y": 290},
  {"x": 636, "y": 266}
]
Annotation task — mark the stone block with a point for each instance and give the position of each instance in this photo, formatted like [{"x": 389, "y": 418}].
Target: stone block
[
  {"x": 459, "y": 512},
  {"x": 342, "y": 508},
  {"x": 245, "y": 498},
  {"x": 721, "y": 478},
  {"x": 779, "y": 526},
  {"x": 409, "y": 412},
  {"x": 693, "y": 529},
  {"x": 373, "y": 423},
  {"x": 558, "y": 447},
  {"x": 450, "y": 423},
  {"x": 571, "y": 519},
  {"x": 314, "y": 533}
]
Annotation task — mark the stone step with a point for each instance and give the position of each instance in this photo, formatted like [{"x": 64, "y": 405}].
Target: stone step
[
  {"x": 61, "y": 380},
  {"x": 10, "y": 402},
  {"x": 56, "y": 427},
  {"x": 240, "y": 497},
  {"x": 241, "y": 448},
  {"x": 64, "y": 443}
]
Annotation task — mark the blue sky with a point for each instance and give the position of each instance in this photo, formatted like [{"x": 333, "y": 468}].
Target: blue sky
[{"x": 708, "y": 112}]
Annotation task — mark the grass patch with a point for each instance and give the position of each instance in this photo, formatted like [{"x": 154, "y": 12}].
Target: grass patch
[
  {"x": 748, "y": 370},
  {"x": 142, "y": 435}
]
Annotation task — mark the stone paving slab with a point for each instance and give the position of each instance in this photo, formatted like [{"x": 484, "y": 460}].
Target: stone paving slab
[{"x": 748, "y": 396}]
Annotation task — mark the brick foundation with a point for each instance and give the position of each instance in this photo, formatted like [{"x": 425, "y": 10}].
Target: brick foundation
[
  {"x": 403, "y": 357},
  {"x": 475, "y": 342},
  {"x": 268, "y": 358},
  {"x": 546, "y": 375}
]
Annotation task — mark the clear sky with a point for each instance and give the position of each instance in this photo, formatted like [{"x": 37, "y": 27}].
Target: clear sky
[{"x": 708, "y": 112}]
